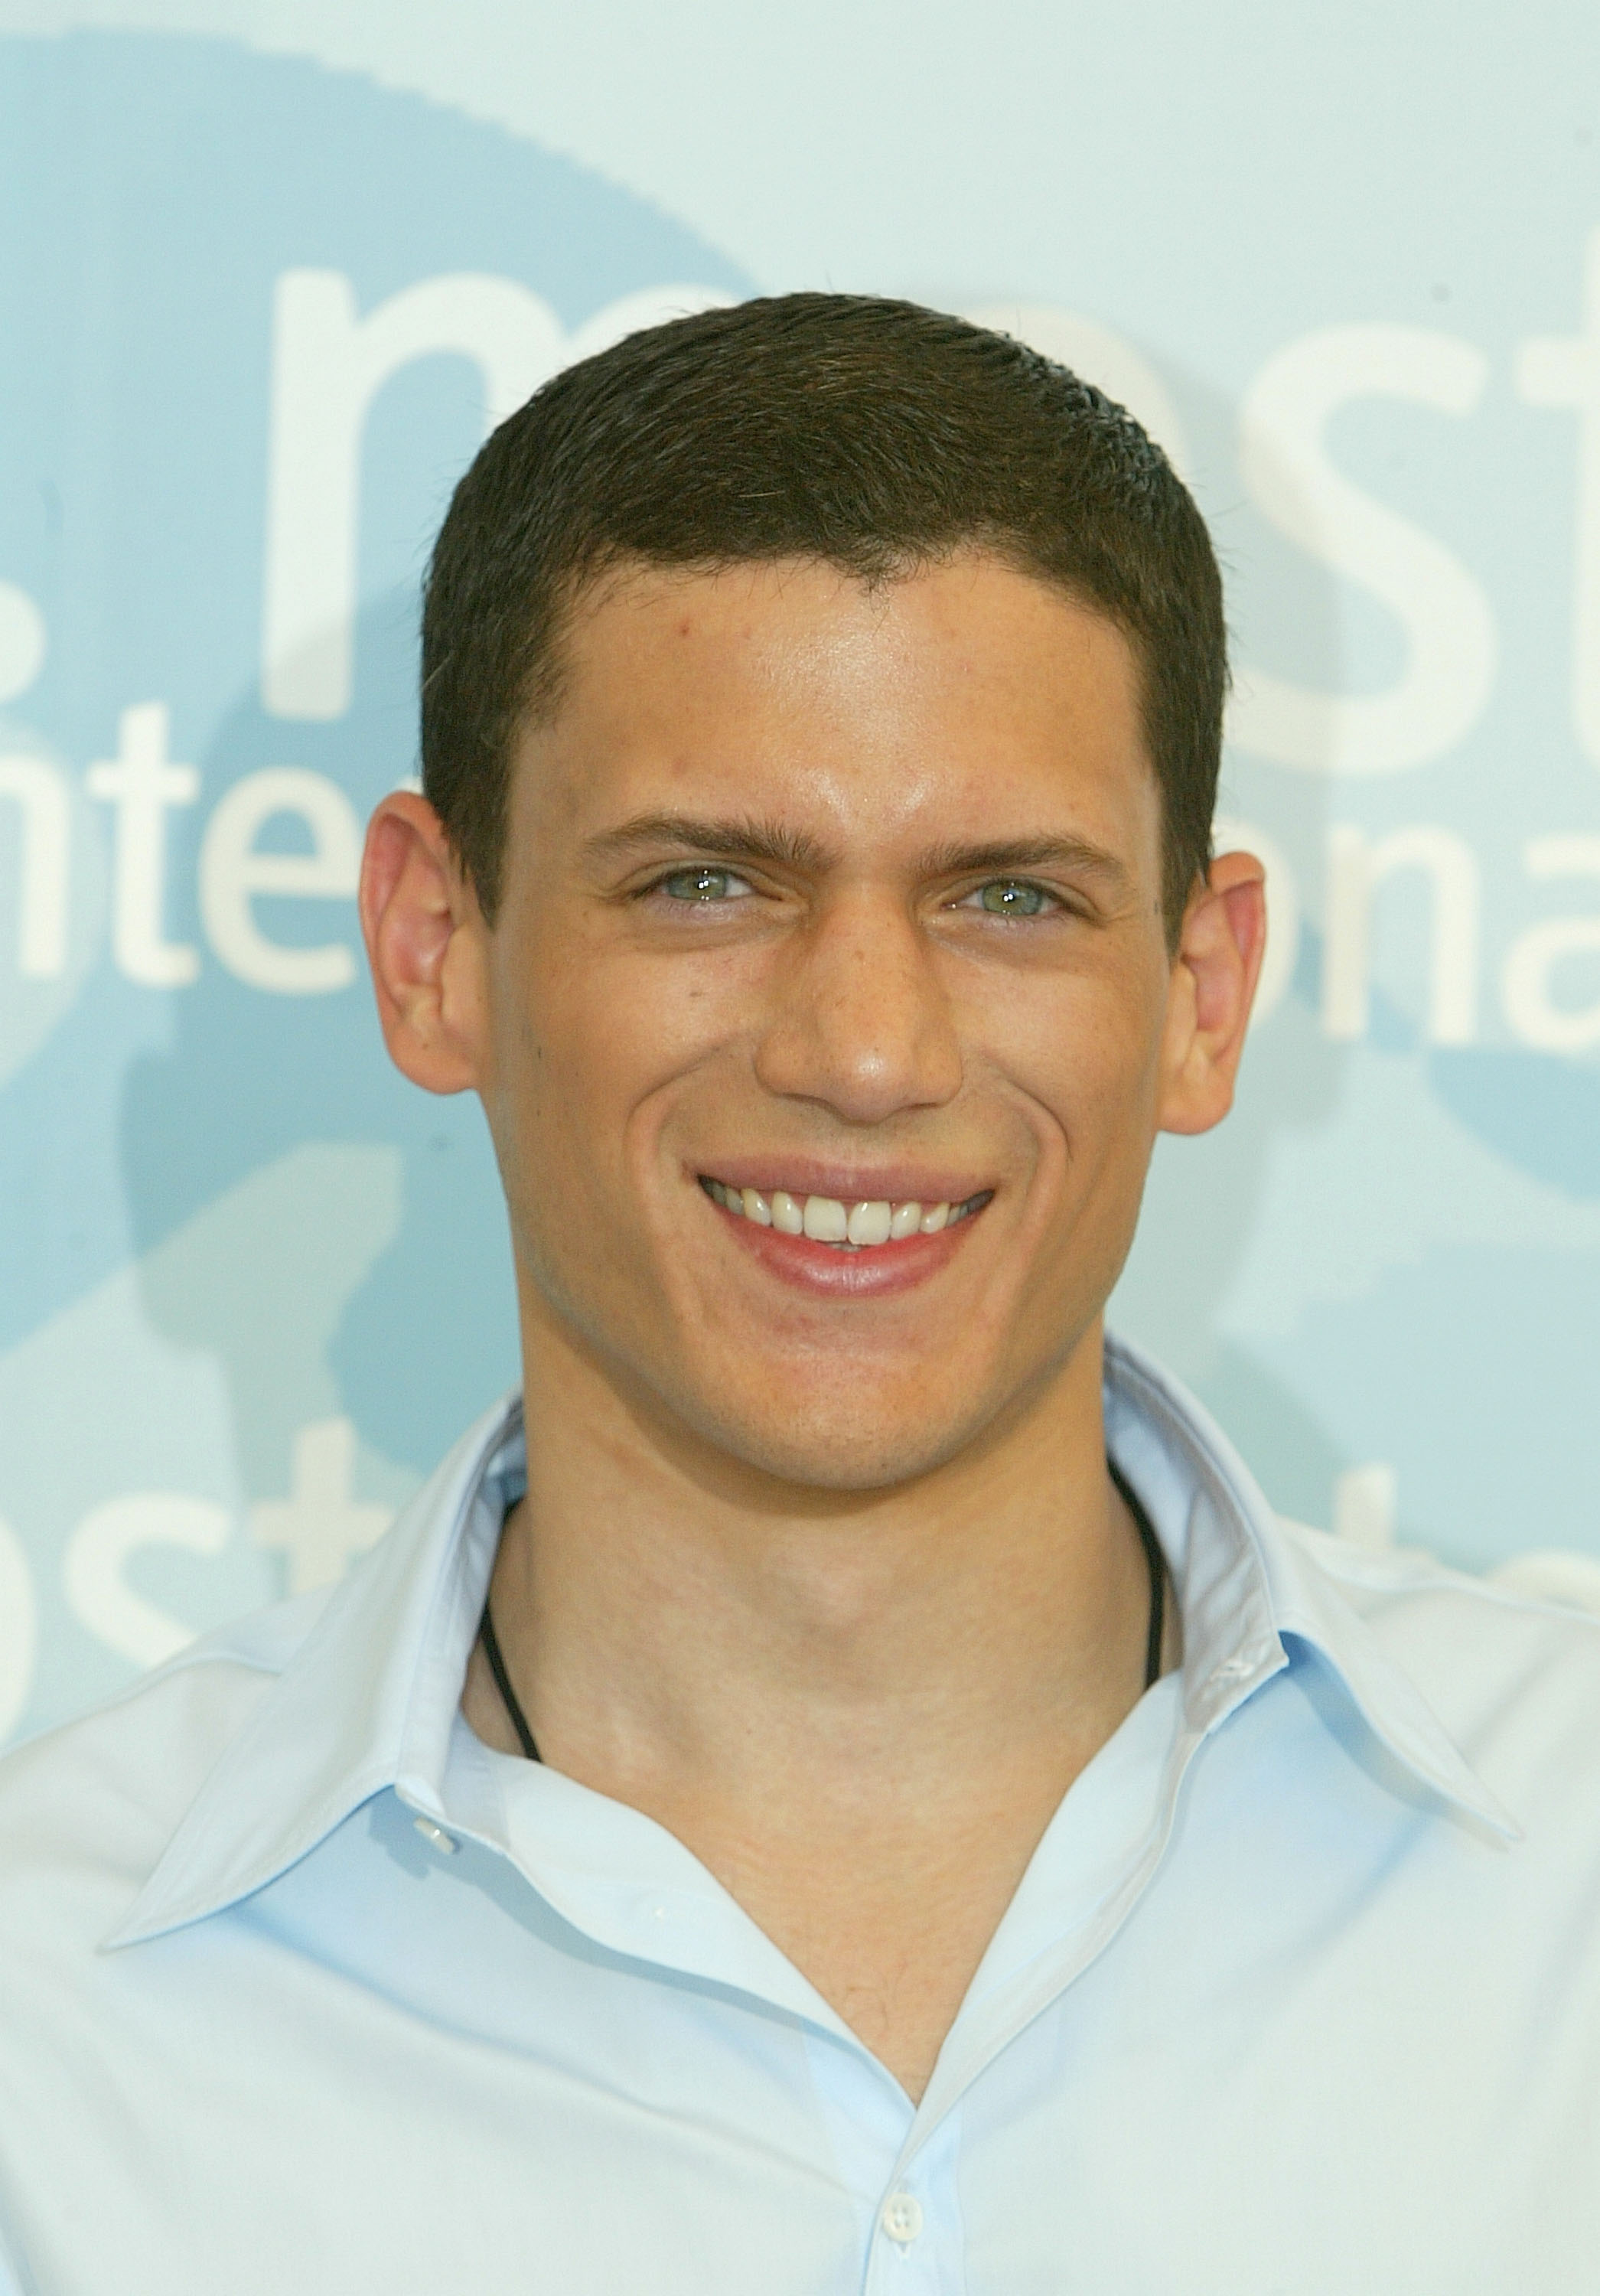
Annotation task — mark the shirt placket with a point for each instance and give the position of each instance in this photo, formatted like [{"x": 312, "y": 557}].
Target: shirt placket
[{"x": 917, "y": 2246}]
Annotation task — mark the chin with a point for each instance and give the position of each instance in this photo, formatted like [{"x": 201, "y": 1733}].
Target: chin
[{"x": 825, "y": 1449}]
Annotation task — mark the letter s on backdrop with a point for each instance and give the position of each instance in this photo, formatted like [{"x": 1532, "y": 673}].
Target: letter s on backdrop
[{"x": 1284, "y": 464}]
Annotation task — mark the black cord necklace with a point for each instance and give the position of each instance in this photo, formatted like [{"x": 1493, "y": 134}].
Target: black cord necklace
[
  {"x": 1153, "y": 1639},
  {"x": 508, "y": 1696},
  {"x": 1155, "y": 1632}
]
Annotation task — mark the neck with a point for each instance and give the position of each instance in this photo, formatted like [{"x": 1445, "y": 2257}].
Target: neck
[
  {"x": 668, "y": 1617},
  {"x": 858, "y": 1710}
]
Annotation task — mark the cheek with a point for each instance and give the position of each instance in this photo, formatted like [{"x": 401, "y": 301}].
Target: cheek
[
  {"x": 596, "y": 1041},
  {"x": 1084, "y": 1055}
]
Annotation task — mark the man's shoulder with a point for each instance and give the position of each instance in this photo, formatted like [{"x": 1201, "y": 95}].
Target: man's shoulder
[
  {"x": 1513, "y": 1679},
  {"x": 87, "y": 1808}
]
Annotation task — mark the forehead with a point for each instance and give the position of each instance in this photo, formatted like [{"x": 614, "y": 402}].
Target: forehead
[{"x": 965, "y": 685}]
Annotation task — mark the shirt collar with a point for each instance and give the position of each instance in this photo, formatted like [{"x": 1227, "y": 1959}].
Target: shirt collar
[
  {"x": 368, "y": 1701},
  {"x": 366, "y": 1704},
  {"x": 1249, "y": 1586}
]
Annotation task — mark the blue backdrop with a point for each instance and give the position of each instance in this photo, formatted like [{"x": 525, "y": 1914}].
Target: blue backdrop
[{"x": 263, "y": 282}]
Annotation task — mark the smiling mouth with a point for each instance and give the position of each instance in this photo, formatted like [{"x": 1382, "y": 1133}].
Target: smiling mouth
[{"x": 860, "y": 1226}]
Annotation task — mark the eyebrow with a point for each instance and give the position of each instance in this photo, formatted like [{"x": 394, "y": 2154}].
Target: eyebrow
[
  {"x": 744, "y": 839},
  {"x": 1007, "y": 854},
  {"x": 749, "y": 840}
]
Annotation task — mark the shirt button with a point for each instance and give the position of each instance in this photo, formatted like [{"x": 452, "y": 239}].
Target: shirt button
[
  {"x": 902, "y": 2218},
  {"x": 436, "y": 1836}
]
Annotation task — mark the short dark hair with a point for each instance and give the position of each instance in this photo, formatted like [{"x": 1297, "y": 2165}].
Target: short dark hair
[{"x": 873, "y": 435}]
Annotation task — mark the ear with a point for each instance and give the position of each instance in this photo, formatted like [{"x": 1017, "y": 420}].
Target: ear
[
  {"x": 427, "y": 945},
  {"x": 1213, "y": 986}
]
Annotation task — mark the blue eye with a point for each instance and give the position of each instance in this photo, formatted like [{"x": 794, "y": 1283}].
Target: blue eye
[
  {"x": 1006, "y": 896},
  {"x": 702, "y": 885}
]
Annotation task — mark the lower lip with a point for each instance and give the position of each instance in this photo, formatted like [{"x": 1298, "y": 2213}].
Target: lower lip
[{"x": 874, "y": 1272}]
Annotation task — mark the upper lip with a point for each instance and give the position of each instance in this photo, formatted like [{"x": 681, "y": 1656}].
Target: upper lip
[{"x": 848, "y": 1183}]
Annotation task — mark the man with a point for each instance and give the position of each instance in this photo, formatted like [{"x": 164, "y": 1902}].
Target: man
[{"x": 845, "y": 1785}]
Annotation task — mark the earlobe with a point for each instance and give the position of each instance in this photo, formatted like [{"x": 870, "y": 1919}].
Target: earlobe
[
  {"x": 1214, "y": 977},
  {"x": 423, "y": 932}
]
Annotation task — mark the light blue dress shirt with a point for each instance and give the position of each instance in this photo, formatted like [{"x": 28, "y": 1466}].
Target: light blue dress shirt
[{"x": 306, "y": 1992}]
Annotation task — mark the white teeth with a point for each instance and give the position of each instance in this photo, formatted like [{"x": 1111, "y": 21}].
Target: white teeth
[
  {"x": 827, "y": 1219},
  {"x": 869, "y": 1223}
]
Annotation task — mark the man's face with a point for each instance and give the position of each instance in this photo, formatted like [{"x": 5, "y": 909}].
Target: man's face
[{"x": 841, "y": 898}]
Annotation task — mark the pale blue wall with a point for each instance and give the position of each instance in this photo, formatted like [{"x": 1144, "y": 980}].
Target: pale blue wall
[{"x": 1340, "y": 266}]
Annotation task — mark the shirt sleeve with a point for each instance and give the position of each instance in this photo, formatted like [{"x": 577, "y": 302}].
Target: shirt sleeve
[{"x": 13, "y": 2280}]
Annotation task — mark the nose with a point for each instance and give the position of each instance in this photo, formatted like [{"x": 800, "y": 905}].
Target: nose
[{"x": 861, "y": 1023}]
